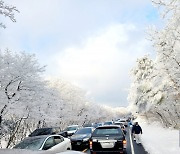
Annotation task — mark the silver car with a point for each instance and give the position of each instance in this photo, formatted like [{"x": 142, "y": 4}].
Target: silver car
[
  {"x": 71, "y": 129},
  {"x": 124, "y": 122}
]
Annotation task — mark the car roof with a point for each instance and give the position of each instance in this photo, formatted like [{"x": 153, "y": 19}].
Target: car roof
[
  {"x": 48, "y": 127},
  {"x": 86, "y": 127},
  {"x": 108, "y": 126},
  {"x": 72, "y": 125},
  {"x": 118, "y": 122},
  {"x": 42, "y": 136},
  {"x": 45, "y": 128}
]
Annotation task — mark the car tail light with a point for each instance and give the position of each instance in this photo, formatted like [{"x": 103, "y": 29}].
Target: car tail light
[
  {"x": 124, "y": 144},
  {"x": 90, "y": 144}
]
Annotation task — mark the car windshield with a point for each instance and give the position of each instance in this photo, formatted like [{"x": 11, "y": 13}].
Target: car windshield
[
  {"x": 87, "y": 125},
  {"x": 41, "y": 131},
  {"x": 108, "y": 123},
  {"x": 30, "y": 143},
  {"x": 84, "y": 131},
  {"x": 107, "y": 131},
  {"x": 72, "y": 128},
  {"x": 117, "y": 123}
]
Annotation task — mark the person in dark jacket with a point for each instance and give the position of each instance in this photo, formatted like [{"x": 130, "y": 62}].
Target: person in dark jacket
[{"x": 137, "y": 130}]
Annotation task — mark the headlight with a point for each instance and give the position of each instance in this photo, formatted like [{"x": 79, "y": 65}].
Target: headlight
[{"x": 85, "y": 139}]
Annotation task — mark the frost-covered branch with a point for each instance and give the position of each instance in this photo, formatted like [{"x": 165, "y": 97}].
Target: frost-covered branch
[{"x": 7, "y": 11}]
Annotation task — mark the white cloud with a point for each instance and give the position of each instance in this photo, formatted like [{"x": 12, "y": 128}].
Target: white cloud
[
  {"x": 66, "y": 36},
  {"x": 101, "y": 65}
]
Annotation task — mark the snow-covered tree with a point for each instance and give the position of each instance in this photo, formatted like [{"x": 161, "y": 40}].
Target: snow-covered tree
[
  {"x": 80, "y": 109},
  {"x": 28, "y": 101},
  {"x": 141, "y": 89},
  {"x": 20, "y": 81},
  {"x": 7, "y": 11},
  {"x": 157, "y": 93},
  {"x": 167, "y": 45},
  {"x": 21, "y": 88}
]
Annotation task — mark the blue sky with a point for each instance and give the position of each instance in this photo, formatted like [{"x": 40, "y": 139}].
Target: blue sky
[{"x": 91, "y": 43}]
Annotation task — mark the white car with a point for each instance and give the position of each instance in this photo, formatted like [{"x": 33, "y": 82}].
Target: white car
[
  {"x": 21, "y": 151},
  {"x": 71, "y": 129},
  {"x": 51, "y": 143},
  {"x": 124, "y": 122},
  {"x": 24, "y": 151}
]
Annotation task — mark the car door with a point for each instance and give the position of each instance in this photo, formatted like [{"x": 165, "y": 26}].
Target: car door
[
  {"x": 49, "y": 143},
  {"x": 66, "y": 143},
  {"x": 60, "y": 145}
]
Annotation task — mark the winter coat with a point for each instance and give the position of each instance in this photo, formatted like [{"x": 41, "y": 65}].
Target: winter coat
[{"x": 136, "y": 129}]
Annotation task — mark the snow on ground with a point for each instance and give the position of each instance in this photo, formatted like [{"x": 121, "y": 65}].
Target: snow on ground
[{"x": 159, "y": 140}]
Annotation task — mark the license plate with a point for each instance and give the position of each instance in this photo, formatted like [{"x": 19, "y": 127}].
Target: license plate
[{"x": 107, "y": 145}]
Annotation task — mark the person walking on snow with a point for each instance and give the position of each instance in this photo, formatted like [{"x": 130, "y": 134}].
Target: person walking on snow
[{"x": 137, "y": 130}]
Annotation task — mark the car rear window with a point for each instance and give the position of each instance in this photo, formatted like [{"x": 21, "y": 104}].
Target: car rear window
[
  {"x": 107, "y": 131},
  {"x": 84, "y": 131},
  {"x": 72, "y": 128},
  {"x": 41, "y": 131},
  {"x": 122, "y": 121}
]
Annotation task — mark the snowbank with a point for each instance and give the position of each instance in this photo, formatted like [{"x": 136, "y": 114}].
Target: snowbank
[{"x": 159, "y": 140}]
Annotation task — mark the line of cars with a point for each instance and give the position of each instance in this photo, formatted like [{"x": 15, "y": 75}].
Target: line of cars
[
  {"x": 108, "y": 137},
  {"x": 98, "y": 137}
]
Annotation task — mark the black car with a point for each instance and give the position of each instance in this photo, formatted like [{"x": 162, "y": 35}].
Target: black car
[
  {"x": 81, "y": 138},
  {"x": 107, "y": 139},
  {"x": 48, "y": 131}
]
